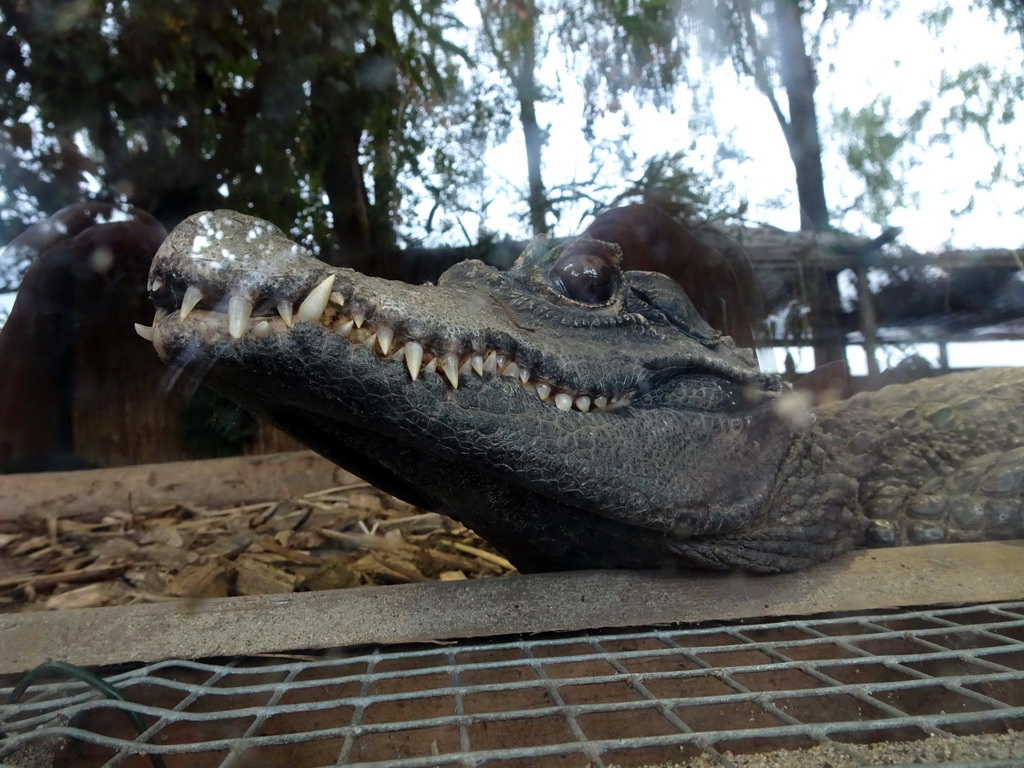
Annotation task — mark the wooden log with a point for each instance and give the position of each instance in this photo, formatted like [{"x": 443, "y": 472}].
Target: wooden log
[{"x": 446, "y": 610}]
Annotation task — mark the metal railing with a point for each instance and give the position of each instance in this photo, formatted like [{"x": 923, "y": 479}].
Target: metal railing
[{"x": 848, "y": 685}]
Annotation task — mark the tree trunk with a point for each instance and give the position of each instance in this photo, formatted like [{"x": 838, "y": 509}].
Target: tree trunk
[
  {"x": 526, "y": 90},
  {"x": 385, "y": 141},
  {"x": 802, "y": 134},
  {"x": 805, "y": 149},
  {"x": 534, "y": 142},
  {"x": 346, "y": 190},
  {"x": 510, "y": 30},
  {"x": 341, "y": 108}
]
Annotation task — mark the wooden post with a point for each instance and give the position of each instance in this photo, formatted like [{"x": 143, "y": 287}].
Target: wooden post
[{"x": 868, "y": 319}]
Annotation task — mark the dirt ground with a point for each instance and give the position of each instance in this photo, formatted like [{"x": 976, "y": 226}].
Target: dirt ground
[{"x": 935, "y": 750}]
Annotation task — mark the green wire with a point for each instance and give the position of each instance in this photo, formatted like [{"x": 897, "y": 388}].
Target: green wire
[{"x": 87, "y": 677}]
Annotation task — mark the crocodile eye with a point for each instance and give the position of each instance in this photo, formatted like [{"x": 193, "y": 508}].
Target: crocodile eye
[{"x": 588, "y": 276}]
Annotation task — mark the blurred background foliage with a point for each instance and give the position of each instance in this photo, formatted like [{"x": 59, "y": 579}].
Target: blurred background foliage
[{"x": 363, "y": 126}]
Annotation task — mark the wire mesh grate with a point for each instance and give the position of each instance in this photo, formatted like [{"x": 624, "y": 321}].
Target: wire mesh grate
[{"x": 938, "y": 686}]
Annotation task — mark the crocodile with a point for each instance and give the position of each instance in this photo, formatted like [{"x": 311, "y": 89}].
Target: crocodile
[{"x": 579, "y": 415}]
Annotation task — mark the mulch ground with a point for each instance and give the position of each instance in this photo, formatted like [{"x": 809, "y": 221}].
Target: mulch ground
[{"x": 333, "y": 539}]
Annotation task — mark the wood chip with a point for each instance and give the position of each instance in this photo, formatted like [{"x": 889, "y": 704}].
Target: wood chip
[
  {"x": 166, "y": 535},
  {"x": 47, "y": 551},
  {"x": 119, "y": 548},
  {"x": 294, "y": 555},
  {"x": 89, "y": 596},
  {"x": 30, "y": 545},
  {"x": 205, "y": 580},
  {"x": 426, "y": 521},
  {"x": 49, "y": 580},
  {"x": 332, "y": 575},
  {"x": 339, "y": 493},
  {"x": 256, "y": 578},
  {"x": 490, "y": 557},
  {"x": 333, "y": 539},
  {"x": 358, "y": 540},
  {"x": 379, "y": 568},
  {"x": 453, "y": 561}
]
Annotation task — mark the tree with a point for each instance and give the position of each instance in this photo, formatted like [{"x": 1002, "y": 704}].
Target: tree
[
  {"x": 649, "y": 48},
  {"x": 801, "y": 127},
  {"x": 638, "y": 48},
  {"x": 983, "y": 98},
  {"x": 305, "y": 115},
  {"x": 510, "y": 30},
  {"x": 766, "y": 41}
]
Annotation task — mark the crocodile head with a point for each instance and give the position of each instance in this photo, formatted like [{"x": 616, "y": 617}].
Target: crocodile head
[{"x": 572, "y": 413}]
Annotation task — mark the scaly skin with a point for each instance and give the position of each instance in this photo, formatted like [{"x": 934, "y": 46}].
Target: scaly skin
[{"x": 597, "y": 420}]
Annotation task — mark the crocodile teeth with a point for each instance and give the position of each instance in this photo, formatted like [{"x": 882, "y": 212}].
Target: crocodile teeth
[
  {"x": 413, "y": 358},
  {"x": 145, "y": 331},
  {"x": 450, "y": 367},
  {"x": 384, "y": 337},
  {"x": 156, "y": 285},
  {"x": 382, "y": 340},
  {"x": 159, "y": 315},
  {"x": 239, "y": 311},
  {"x": 491, "y": 362},
  {"x": 192, "y": 297},
  {"x": 284, "y": 309},
  {"x": 316, "y": 302}
]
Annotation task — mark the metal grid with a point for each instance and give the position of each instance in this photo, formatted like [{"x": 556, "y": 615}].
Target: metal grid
[{"x": 706, "y": 696}]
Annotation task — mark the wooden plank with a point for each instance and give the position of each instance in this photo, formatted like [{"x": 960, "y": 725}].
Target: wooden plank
[
  {"x": 212, "y": 483},
  {"x": 873, "y": 579}
]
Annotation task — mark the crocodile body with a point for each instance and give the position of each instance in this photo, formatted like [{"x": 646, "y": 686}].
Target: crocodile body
[{"x": 577, "y": 415}]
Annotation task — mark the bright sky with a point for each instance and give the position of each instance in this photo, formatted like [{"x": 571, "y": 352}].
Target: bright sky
[{"x": 872, "y": 57}]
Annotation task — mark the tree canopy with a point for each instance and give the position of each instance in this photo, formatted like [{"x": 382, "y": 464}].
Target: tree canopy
[
  {"x": 307, "y": 114},
  {"x": 365, "y": 126}
]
